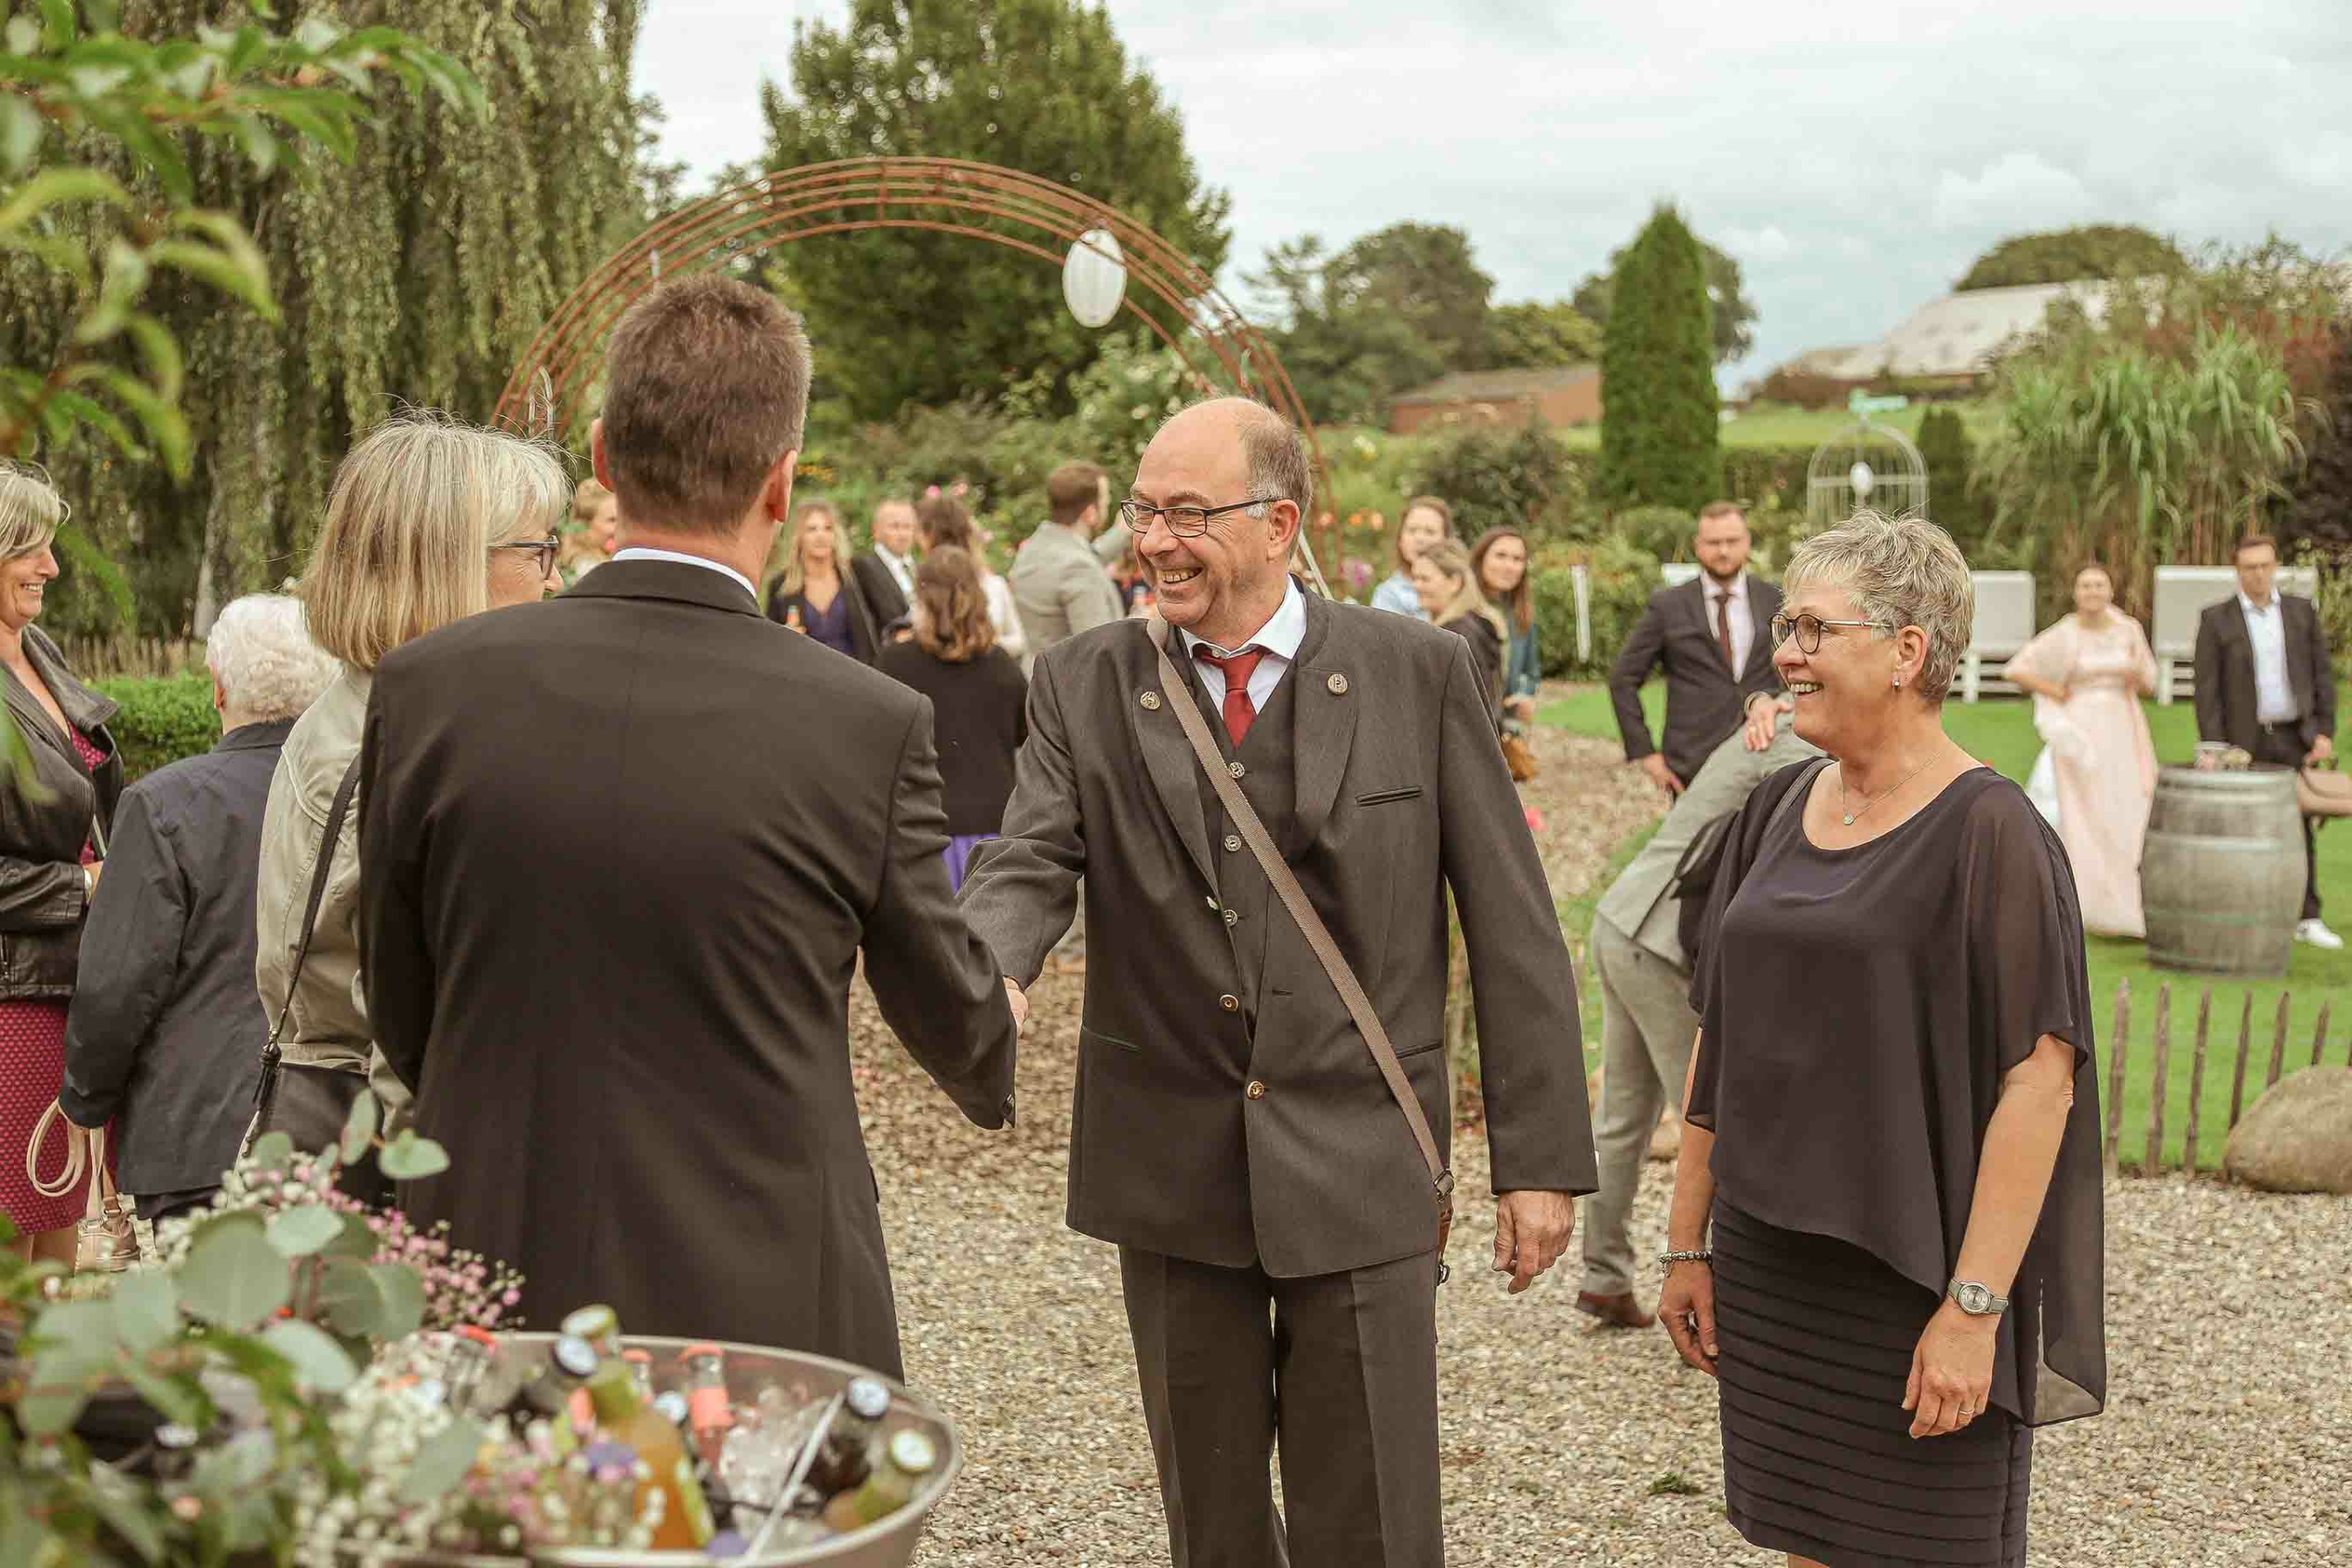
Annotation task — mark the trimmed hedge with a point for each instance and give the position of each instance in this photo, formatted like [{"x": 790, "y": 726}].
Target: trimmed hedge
[
  {"x": 1623, "y": 582},
  {"x": 166, "y": 719}
]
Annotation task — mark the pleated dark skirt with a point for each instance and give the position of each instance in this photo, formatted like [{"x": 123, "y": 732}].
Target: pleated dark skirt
[{"x": 1816, "y": 1337}]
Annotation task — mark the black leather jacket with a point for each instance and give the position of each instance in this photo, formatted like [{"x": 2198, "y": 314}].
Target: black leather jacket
[{"x": 42, "y": 891}]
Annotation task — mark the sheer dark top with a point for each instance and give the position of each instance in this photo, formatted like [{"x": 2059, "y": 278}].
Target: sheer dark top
[{"x": 1858, "y": 1008}]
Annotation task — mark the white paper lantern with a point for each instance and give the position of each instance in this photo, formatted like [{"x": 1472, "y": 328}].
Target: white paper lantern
[
  {"x": 1860, "y": 477},
  {"x": 1094, "y": 279}
]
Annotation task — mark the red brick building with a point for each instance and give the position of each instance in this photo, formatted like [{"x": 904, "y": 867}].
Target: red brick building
[{"x": 1561, "y": 397}]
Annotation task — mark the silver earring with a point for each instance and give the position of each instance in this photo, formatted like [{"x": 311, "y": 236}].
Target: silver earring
[{"x": 1898, "y": 682}]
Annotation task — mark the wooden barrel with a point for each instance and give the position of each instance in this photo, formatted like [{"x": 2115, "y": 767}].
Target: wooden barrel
[{"x": 2222, "y": 874}]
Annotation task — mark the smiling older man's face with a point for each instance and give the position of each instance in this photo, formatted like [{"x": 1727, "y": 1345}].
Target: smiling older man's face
[{"x": 1223, "y": 584}]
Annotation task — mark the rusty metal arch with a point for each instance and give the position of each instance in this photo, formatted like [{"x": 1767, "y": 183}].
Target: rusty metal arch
[{"x": 939, "y": 195}]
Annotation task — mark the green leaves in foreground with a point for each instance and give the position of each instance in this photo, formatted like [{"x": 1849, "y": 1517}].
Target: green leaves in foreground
[
  {"x": 376, "y": 1301},
  {"x": 233, "y": 1278},
  {"x": 442, "y": 1461},
  {"x": 408, "y": 1157}
]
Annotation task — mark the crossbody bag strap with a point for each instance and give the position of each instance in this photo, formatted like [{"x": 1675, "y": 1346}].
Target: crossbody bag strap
[
  {"x": 1293, "y": 898},
  {"x": 336, "y": 811}
]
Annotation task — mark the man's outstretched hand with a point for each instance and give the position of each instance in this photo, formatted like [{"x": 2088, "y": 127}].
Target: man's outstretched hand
[{"x": 1020, "y": 1004}]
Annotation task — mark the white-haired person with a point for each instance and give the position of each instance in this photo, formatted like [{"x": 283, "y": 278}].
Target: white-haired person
[
  {"x": 165, "y": 1032},
  {"x": 430, "y": 521},
  {"x": 1891, "y": 1118},
  {"x": 57, "y": 804}
]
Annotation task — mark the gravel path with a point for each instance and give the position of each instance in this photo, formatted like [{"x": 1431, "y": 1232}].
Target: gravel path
[{"x": 2227, "y": 1438}]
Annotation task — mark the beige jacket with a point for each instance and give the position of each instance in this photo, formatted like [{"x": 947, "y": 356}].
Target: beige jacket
[
  {"x": 1059, "y": 588},
  {"x": 329, "y": 1026}
]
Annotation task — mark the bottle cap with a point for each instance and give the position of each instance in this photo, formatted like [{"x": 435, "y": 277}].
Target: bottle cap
[
  {"x": 592, "y": 1323},
  {"x": 913, "y": 1452},
  {"x": 694, "y": 1352},
  {"x": 479, "y": 1335},
  {"x": 672, "y": 1407},
  {"x": 572, "y": 1356},
  {"x": 637, "y": 1358},
  {"x": 866, "y": 1399}
]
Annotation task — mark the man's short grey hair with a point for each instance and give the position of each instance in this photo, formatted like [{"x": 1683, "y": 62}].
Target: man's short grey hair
[
  {"x": 261, "y": 653},
  {"x": 1902, "y": 571},
  {"x": 31, "y": 509},
  {"x": 1278, "y": 465}
]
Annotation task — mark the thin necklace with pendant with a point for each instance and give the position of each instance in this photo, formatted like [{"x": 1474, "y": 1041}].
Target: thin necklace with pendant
[{"x": 1846, "y": 800}]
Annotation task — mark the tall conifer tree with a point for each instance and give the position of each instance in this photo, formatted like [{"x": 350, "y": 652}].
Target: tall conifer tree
[{"x": 1659, "y": 410}]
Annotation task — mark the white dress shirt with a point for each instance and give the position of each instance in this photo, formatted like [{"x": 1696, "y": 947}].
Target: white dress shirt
[
  {"x": 901, "y": 568},
  {"x": 641, "y": 553},
  {"x": 2266, "y": 631},
  {"x": 1743, "y": 620},
  {"x": 1280, "y": 637}
]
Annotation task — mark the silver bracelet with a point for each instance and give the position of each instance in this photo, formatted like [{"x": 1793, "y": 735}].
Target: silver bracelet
[{"x": 1667, "y": 1260}]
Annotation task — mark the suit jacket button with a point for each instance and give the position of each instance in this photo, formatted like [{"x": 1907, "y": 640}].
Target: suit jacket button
[
  {"x": 1338, "y": 685},
  {"x": 1150, "y": 701},
  {"x": 1231, "y": 918},
  {"x": 1256, "y": 1089},
  {"x": 1236, "y": 768},
  {"x": 1232, "y": 843},
  {"x": 1230, "y": 1004}
]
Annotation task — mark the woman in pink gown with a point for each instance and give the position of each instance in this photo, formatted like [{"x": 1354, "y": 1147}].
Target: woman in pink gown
[{"x": 2088, "y": 673}]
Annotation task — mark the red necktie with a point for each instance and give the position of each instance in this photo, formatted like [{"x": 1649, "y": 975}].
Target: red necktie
[
  {"x": 1723, "y": 626},
  {"x": 1240, "y": 711}
]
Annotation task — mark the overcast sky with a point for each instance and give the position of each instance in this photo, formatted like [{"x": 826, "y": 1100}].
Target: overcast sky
[{"x": 1854, "y": 157}]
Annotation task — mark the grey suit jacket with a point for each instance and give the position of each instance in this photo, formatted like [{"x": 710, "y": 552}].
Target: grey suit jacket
[
  {"x": 1641, "y": 903},
  {"x": 1061, "y": 588},
  {"x": 1401, "y": 794}
]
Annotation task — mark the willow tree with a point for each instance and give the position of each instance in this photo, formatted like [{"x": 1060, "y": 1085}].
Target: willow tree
[{"x": 414, "y": 274}]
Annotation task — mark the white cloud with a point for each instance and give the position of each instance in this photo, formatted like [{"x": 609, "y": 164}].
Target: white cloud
[{"x": 1855, "y": 156}]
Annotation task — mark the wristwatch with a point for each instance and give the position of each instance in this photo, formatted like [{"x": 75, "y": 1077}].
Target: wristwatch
[{"x": 1976, "y": 1300}]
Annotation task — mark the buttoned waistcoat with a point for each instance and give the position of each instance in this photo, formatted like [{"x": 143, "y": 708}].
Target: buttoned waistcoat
[{"x": 1227, "y": 1111}]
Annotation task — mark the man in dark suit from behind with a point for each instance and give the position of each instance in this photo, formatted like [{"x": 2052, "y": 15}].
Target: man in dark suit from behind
[
  {"x": 668, "y": 1127},
  {"x": 1713, "y": 637},
  {"x": 1234, "y": 1135},
  {"x": 887, "y": 572},
  {"x": 2265, "y": 684}
]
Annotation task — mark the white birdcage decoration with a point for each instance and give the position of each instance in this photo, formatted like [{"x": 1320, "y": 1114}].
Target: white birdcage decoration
[{"x": 1864, "y": 464}]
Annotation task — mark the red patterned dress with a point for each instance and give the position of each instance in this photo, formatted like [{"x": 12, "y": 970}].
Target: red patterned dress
[{"x": 32, "y": 1068}]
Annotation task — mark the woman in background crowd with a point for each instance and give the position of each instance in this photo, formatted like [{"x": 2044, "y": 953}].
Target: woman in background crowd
[
  {"x": 1500, "y": 560},
  {"x": 814, "y": 594},
  {"x": 1450, "y": 596},
  {"x": 1136, "y": 595},
  {"x": 2088, "y": 673},
  {"x": 595, "y": 531},
  {"x": 1425, "y": 519},
  {"x": 166, "y": 1027},
  {"x": 979, "y": 700},
  {"x": 57, "y": 802},
  {"x": 430, "y": 521},
  {"x": 944, "y": 524},
  {"x": 1891, "y": 944}
]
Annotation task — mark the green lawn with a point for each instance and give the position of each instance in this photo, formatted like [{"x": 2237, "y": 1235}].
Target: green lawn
[
  {"x": 2000, "y": 731},
  {"x": 1779, "y": 426}
]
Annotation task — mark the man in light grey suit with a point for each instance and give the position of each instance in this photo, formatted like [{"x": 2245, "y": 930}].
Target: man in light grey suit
[
  {"x": 1647, "y": 1026},
  {"x": 1059, "y": 583},
  {"x": 1234, "y": 1134}
]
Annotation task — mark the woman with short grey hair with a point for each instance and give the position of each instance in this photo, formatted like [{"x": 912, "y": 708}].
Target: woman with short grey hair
[
  {"x": 166, "y": 1029},
  {"x": 1886, "y": 1240}
]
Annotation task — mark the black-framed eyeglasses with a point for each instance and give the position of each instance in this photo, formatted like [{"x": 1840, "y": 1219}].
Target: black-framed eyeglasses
[
  {"x": 546, "y": 549},
  {"x": 1184, "y": 521},
  {"x": 1807, "y": 629}
]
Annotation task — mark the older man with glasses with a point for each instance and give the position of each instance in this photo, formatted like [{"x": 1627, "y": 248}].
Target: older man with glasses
[{"x": 1269, "y": 1165}]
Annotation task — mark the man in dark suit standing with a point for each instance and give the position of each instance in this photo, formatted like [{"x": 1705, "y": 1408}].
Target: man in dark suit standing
[
  {"x": 1714, "y": 636},
  {"x": 1234, "y": 1134},
  {"x": 887, "y": 572},
  {"x": 668, "y": 1127},
  {"x": 2265, "y": 684}
]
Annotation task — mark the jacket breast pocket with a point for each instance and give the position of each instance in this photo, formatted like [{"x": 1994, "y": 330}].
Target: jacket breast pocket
[
  {"x": 1383, "y": 796},
  {"x": 1411, "y": 1051}
]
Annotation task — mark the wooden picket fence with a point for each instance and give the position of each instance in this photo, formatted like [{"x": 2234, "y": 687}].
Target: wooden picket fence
[
  {"x": 2119, "y": 1059},
  {"x": 106, "y": 657}
]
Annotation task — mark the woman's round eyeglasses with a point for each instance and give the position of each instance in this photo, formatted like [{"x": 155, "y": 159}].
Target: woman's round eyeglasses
[
  {"x": 1807, "y": 630},
  {"x": 546, "y": 549}
]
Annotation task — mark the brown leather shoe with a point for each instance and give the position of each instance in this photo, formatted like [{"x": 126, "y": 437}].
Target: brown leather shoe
[{"x": 1614, "y": 1312}]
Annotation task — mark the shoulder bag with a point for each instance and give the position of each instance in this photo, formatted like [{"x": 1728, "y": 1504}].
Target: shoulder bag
[
  {"x": 308, "y": 1103},
  {"x": 1310, "y": 925},
  {"x": 105, "y": 1241}
]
